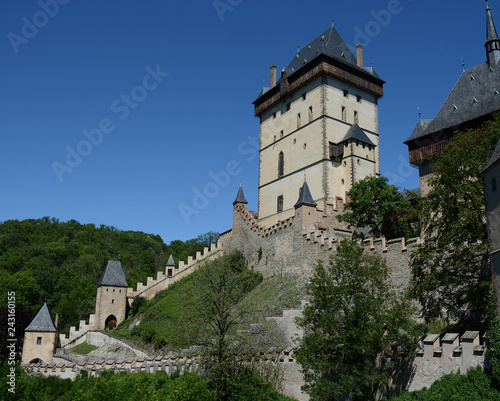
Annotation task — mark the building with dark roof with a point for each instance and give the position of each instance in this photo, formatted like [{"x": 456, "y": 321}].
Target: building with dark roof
[
  {"x": 111, "y": 300},
  {"x": 320, "y": 118},
  {"x": 474, "y": 98},
  {"x": 40, "y": 338}
]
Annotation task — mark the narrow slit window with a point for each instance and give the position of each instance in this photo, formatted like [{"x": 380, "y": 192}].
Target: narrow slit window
[
  {"x": 281, "y": 164},
  {"x": 280, "y": 204},
  {"x": 298, "y": 121},
  {"x": 344, "y": 114},
  {"x": 310, "y": 113}
]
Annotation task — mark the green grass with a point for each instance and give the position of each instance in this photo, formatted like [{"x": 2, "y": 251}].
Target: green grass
[
  {"x": 277, "y": 293},
  {"x": 165, "y": 319},
  {"x": 83, "y": 348}
]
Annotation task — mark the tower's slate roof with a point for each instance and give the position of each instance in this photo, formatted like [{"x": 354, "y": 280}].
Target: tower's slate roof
[
  {"x": 355, "y": 132},
  {"x": 113, "y": 275},
  {"x": 331, "y": 44},
  {"x": 240, "y": 198},
  {"x": 419, "y": 129},
  {"x": 305, "y": 197},
  {"x": 171, "y": 261},
  {"x": 42, "y": 321},
  {"x": 475, "y": 95}
]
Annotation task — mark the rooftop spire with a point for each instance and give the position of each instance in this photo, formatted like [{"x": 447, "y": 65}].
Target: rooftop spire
[
  {"x": 492, "y": 41},
  {"x": 240, "y": 198},
  {"x": 305, "y": 197}
]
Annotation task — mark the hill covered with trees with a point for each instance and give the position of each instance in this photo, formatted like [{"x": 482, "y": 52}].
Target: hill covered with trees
[{"x": 61, "y": 262}]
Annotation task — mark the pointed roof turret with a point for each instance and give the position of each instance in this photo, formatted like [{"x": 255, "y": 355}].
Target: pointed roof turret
[
  {"x": 240, "y": 198},
  {"x": 492, "y": 41},
  {"x": 305, "y": 197},
  {"x": 171, "y": 261},
  {"x": 113, "y": 275},
  {"x": 42, "y": 321}
]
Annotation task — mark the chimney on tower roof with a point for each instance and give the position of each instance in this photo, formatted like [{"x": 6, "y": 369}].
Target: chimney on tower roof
[
  {"x": 272, "y": 81},
  {"x": 359, "y": 54}
]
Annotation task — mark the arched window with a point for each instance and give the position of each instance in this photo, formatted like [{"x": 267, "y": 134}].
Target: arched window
[{"x": 281, "y": 164}]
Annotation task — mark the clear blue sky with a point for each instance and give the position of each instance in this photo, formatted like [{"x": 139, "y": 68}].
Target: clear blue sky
[{"x": 194, "y": 68}]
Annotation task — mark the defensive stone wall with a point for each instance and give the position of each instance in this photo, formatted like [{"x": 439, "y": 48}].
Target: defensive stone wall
[
  {"x": 169, "y": 364},
  {"x": 446, "y": 354},
  {"x": 289, "y": 247},
  {"x": 165, "y": 279}
]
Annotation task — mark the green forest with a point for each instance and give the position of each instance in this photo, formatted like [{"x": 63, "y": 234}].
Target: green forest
[{"x": 46, "y": 260}]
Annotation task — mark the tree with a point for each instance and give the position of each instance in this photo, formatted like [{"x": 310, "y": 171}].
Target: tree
[
  {"x": 221, "y": 323},
  {"x": 451, "y": 271},
  {"x": 376, "y": 204},
  {"x": 357, "y": 329}
]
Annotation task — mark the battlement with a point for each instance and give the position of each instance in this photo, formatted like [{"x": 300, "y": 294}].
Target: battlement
[
  {"x": 383, "y": 245},
  {"x": 169, "y": 364},
  {"x": 254, "y": 226},
  {"x": 75, "y": 336},
  {"x": 449, "y": 353},
  {"x": 172, "y": 275}
]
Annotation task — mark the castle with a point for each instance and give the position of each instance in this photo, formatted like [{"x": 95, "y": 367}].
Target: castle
[{"x": 319, "y": 135}]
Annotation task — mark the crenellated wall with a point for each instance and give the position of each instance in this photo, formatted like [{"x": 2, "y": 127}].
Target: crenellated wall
[
  {"x": 164, "y": 279},
  {"x": 447, "y": 354},
  {"x": 295, "y": 245}
]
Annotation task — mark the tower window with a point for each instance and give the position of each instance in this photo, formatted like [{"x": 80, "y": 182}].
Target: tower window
[
  {"x": 281, "y": 164},
  {"x": 358, "y": 99},
  {"x": 344, "y": 114},
  {"x": 39, "y": 341},
  {"x": 281, "y": 134},
  {"x": 310, "y": 113},
  {"x": 280, "y": 203},
  {"x": 356, "y": 117},
  {"x": 287, "y": 106},
  {"x": 346, "y": 93},
  {"x": 298, "y": 120},
  {"x": 493, "y": 184},
  {"x": 274, "y": 115},
  {"x": 112, "y": 301},
  {"x": 304, "y": 96}
]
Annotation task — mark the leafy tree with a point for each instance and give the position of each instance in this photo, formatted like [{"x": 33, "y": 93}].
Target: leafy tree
[
  {"x": 376, "y": 204},
  {"x": 221, "y": 323},
  {"x": 451, "y": 272},
  {"x": 357, "y": 329}
]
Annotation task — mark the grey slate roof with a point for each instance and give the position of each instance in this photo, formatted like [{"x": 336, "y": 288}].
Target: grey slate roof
[
  {"x": 113, "y": 275},
  {"x": 331, "y": 44},
  {"x": 42, "y": 321},
  {"x": 305, "y": 197},
  {"x": 476, "y": 94},
  {"x": 419, "y": 129},
  {"x": 494, "y": 158},
  {"x": 240, "y": 198},
  {"x": 171, "y": 261},
  {"x": 355, "y": 132}
]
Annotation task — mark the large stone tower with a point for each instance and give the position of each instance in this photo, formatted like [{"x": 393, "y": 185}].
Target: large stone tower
[
  {"x": 40, "y": 338},
  {"x": 111, "y": 300},
  {"x": 319, "y": 119}
]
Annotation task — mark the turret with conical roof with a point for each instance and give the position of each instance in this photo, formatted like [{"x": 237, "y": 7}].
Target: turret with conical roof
[
  {"x": 240, "y": 198},
  {"x": 492, "y": 41},
  {"x": 40, "y": 338},
  {"x": 305, "y": 197},
  {"x": 306, "y": 213}
]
